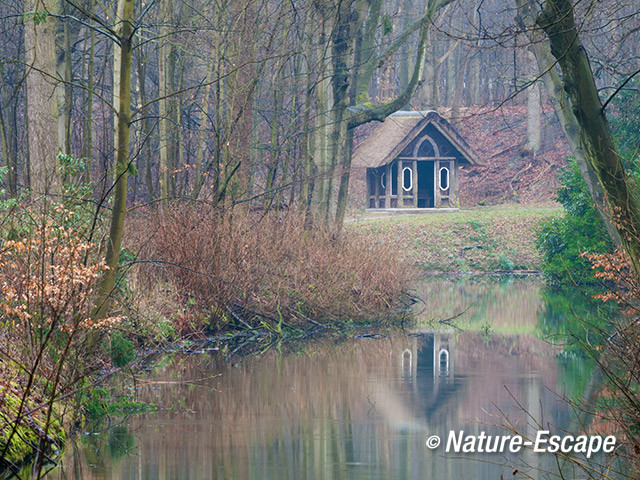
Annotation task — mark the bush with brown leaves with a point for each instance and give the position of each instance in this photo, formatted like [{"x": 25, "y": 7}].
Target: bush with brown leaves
[{"x": 247, "y": 268}]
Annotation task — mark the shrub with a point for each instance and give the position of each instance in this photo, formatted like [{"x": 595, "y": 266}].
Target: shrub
[
  {"x": 243, "y": 267},
  {"x": 48, "y": 273},
  {"x": 563, "y": 240},
  {"x": 122, "y": 349}
]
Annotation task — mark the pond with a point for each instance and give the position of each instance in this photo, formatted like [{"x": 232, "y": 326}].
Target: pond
[{"x": 354, "y": 407}]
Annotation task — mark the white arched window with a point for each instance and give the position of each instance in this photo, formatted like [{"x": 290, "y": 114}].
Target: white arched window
[
  {"x": 443, "y": 176},
  {"x": 407, "y": 179},
  {"x": 443, "y": 358},
  {"x": 407, "y": 360}
]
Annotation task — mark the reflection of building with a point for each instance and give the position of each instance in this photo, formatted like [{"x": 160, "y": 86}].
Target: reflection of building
[
  {"x": 457, "y": 377},
  {"x": 440, "y": 347},
  {"x": 428, "y": 363},
  {"x": 444, "y": 356}
]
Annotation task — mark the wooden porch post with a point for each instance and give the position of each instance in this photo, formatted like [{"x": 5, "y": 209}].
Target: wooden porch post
[
  {"x": 387, "y": 186},
  {"x": 400, "y": 182},
  {"x": 376, "y": 180},
  {"x": 436, "y": 181},
  {"x": 414, "y": 166},
  {"x": 453, "y": 192}
]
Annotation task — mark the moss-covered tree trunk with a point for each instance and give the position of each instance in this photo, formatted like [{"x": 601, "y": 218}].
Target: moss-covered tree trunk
[
  {"x": 594, "y": 135},
  {"x": 123, "y": 50},
  {"x": 552, "y": 81}
]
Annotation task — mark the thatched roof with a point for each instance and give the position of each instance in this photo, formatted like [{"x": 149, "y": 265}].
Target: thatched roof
[{"x": 398, "y": 130}]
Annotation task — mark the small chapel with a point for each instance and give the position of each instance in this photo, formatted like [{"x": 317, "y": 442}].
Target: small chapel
[{"x": 412, "y": 160}]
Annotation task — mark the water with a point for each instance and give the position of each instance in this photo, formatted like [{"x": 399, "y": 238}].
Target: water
[{"x": 352, "y": 408}]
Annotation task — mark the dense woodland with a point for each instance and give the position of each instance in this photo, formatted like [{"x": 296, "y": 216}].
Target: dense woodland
[
  {"x": 175, "y": 166},
  {"x": 257, "y": 101}
]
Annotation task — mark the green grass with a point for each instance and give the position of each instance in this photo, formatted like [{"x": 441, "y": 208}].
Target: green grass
[{"x": 435, "y": 241}]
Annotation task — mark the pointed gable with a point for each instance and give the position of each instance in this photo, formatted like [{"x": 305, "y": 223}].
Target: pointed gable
[{"x": 410, "y": 135}]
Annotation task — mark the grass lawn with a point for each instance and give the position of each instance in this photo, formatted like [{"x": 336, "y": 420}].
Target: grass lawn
[{"x": 435, "y": 241}]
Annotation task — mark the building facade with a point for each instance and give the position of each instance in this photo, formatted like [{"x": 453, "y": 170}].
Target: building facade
[{"x": 412, "y": 161}]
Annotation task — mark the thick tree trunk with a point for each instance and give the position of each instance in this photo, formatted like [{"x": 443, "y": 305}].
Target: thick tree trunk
[
  {"x": 322, "y": 107},
  {"x": 39, "y": 42},
  {"x": 595, "y": 137},
  {"x": 564, "y": 111}
]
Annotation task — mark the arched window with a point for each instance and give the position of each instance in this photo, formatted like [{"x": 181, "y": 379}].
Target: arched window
[
  {"x": 443, "y": 175},
  {"x": 407, "y": 179},
  {"x": 443, "y": 360},
  {"x": 407, "y": 360},
  {"x": 426, "y": 148}
]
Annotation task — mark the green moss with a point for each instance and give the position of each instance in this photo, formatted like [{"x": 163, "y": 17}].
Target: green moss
[{"x": 25, "y": 438}]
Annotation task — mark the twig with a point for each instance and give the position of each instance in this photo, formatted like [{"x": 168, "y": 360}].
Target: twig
[{"x": 238, "y": 319}]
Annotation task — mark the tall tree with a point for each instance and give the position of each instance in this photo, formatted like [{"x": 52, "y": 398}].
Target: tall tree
[
  {"x": 123, "y": 50},
  {"x": 40, "y": 57},
  {"x": 595, "y": 138},
  {"x": 562, "y": 105}
]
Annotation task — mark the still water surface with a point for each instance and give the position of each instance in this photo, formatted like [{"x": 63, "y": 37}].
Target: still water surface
[{"x": 352, "y": 408}]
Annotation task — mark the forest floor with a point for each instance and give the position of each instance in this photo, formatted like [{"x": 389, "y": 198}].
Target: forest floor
[
  {"x": 482, "y": 239},
  {"x": 511, "y": 174}
]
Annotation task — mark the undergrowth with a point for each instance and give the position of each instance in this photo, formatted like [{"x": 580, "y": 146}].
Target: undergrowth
[{"x": 246, "y": 270}]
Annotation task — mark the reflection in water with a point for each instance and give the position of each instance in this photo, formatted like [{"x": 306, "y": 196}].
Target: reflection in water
[{"x": 354, "y": 408}]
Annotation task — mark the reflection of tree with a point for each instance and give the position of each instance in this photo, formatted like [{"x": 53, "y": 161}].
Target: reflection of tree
[
  {"x": 569, "y": 315},
  {"x": 102, "y": 452},
  {"x": 120, "y": 441},
  {"x": 572, "y": 318},
  {"x": 336, "y": 411},
  {"x": 507, "y": 307}
]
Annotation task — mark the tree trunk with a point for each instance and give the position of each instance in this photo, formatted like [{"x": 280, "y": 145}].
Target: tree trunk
[
  {"x": 108, "y": 281},
  {"x": 63, "y": 88},
  {"x": 147, "y": 125},
  {"x": 87, "y": 151},
  {"x": 564, "y": 111},
  {"x": 39, "y": 42},
  {"x": 164, "y": 52},
  {"x": 202, "y": 134},
  {"x": 534, "y": 133},
  {"x": 322, "y": 106},
  {"x": 595, "y": 137}
]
